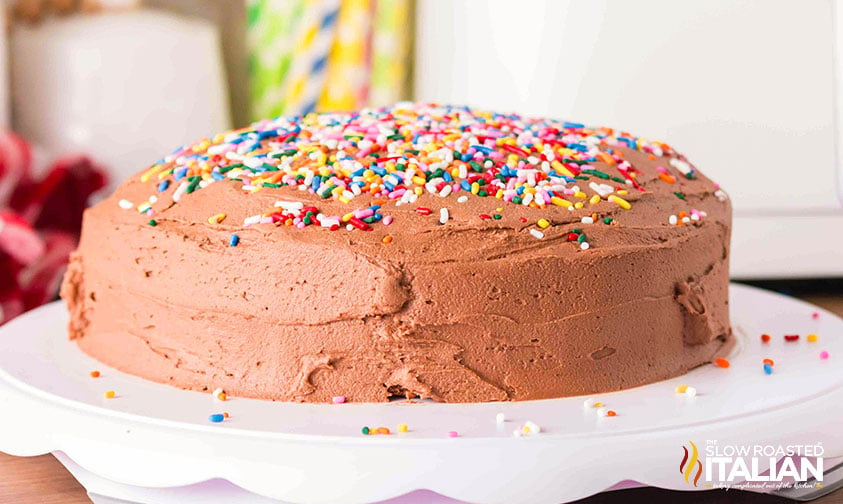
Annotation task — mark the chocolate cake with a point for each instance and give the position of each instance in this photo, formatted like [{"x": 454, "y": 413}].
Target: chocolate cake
[{"x": 418, "y": 250}]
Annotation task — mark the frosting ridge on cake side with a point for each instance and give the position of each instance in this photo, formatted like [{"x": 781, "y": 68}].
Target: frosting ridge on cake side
[{"x": 417, "y": 250}]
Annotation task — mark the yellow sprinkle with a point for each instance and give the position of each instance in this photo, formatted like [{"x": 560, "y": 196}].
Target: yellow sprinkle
[
  {"x": 598, "y": 404},
  {"x": 594, "y": 199},
  {"x": 216, "y": 219},
  {"x": 812, "y": 338},
  {"x": 680, "y": 389},
  {"x": 543, "y": 223},
  {"x": 619, "y": 201},
  {"x": 578, "y": 205},
  {"x": 109, "y": 394},
  {"x": 402, "y": 427},
  {"x": 418, "y": 190},
  {"x": 475, "y": 188},
  {"x": 580, "y": 194},
  {"x": 499, "y": 194},
  {"x": 419, "y": 180},
  {"x": 344, "y": 199},
  {"x": 560, "y": 168},
  {"x": 499, "y": 210},
  {"x": 556, "y": 200},
  {"x": 623, "y": 191}
]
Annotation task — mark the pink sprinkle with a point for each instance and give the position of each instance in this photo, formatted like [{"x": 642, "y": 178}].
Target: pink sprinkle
[
  {"x": 387, "y": 220},
  {"x": 453, "y": 434},
  {"x": 815, "y": 315},
  {"x": 339, "y": 399},
  {"x": 824, "y": 355}
]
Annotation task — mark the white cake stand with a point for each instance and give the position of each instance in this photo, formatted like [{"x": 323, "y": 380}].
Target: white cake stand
[{"x": 154, "y": 443}]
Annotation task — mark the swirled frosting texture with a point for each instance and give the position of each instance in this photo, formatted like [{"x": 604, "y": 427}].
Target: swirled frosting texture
[{"x": 418, "y": 250}]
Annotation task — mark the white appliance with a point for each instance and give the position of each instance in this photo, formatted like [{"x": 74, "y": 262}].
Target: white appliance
[{"x": 749, "y": 90}]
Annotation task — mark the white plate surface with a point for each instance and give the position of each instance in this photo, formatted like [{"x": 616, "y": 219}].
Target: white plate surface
[{"x": 155, "y": 435}]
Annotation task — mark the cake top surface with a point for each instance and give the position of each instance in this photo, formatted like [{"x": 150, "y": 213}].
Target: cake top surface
[{"x": 455, "y": 165}]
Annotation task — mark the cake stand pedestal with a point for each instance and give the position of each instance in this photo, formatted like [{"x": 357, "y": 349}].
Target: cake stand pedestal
[{"x": 153, "y": 443}]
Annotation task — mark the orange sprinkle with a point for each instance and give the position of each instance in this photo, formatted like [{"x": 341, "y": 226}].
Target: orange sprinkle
[
  {"x": 109, "y": 394},
  {"x": 387, "y": 239},
  {"x": 225, "y": 414},
  {"x": 670, "y": 179},
  {"x": 769, "y": 361},
  {"x": 611, "y": 413},
  {"x": 721, "y": 362},
  {"x": 651, "y": 157},
  {"x": 382, "y": 430},
  {"x": 765, "y": 338},
  {"x": 95, "y": 374}
]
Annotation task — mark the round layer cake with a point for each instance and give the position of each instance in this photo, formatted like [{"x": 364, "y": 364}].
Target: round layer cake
[{"x": 418, "y": 250}]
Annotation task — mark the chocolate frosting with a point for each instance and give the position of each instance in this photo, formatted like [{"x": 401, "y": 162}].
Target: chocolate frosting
[{"x": 462, "y": 307}]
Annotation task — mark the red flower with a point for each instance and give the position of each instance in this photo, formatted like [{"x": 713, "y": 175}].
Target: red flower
[{"x": 39, "y": 223}]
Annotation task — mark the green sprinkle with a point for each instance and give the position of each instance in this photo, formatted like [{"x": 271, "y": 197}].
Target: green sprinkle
[
  {"x": 596, "y": 173},
  {"x": 581, "y": 177},
  {"x": 193, "y": 184},
  {"x": 285, "y": 153},
  {"x": 153, "y": 222},
  {"x": 497, "y": 216},
  {"x": 607, "y": 220},
  {"x": 270, "y": 184},
  {"x": 484, "y": 193},
  {"x": 576, "y": 230},
  {"x": 619, "y": 180},
  {"x": 690, "y": 175},
  {"x": 269, "y": 167},
  {"x": 679, "y": 195},
  {"x": 226, "y": 169},
  {"x": 395, "y": 137},
  {"x": 517, "y": 200},
  {"x": 365, "y": 430},
  {"x": 581, "y": 238}
]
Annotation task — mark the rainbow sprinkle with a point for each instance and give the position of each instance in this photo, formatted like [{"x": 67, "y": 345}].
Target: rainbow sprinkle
[{"x": 396, "y": 154}]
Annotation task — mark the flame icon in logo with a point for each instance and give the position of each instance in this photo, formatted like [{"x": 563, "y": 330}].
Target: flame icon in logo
[{"x": 686, "y": 467}]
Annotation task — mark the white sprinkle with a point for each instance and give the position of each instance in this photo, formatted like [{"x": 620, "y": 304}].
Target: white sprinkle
[
  {"x": 446, "y": 191},
  {"x": 589, "y": 403},
  {"x": 603, "y": 412},
  {"x": 517, "y": 433},
  {"x": 672, "y": 220},
  {"x": 443, "y": 216},
  {"x": 462, "y": 199},
  {"x": 686, "y": 220},
  {"x": 125, "y": 204},
  {"x": 537, "y": 234},
  {"x": 691, "y": 392},
  {"x": 680, "y": 165},
  {"x": 292, "y": 206},
  {"x": 349, "y": 227},
  {"x": 721, "y": 195},
  {"x": 500, "y": 418},
  {"x": 179, "y": 192},
  {"x": 695, "y": 216},
  {"x": 153, "y": 199},
  {"x": 531, "y": 427},
  {"x": 584, "y": 246},
  {"x": 587, "y": 220}
]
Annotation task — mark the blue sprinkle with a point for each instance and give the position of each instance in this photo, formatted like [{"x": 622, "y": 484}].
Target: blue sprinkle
[
  {"x": 217, "y": 175},
  {"x": 465, "y": 157},
  {"x": 216, "y": 417},
  {"x": 163, "y": 185},
  {"x": 567, "y": 124},
  {"x": 465, "y": 185},
  {"x": 180, "y": 173},
  {"x": 768, "y": 369},
  {"x": 482, "y": 148},
  {"x": 447, "y": 176},
  {"x": 315, "y": 183},
  {"x": 233, "y": 241}
]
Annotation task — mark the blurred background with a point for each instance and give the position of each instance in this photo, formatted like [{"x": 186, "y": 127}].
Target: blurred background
[{"x": 92, "y": 91}]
